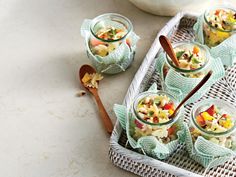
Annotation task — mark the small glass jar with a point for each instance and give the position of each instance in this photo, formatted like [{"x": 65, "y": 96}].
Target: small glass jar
[
  {"x": 199, "y": 72},
  {"x": 223, "y": 138},
  {"x": 163, "y": 131},
  {"x": 107, "y": 33},
  {"x": 213, "y": 32}
]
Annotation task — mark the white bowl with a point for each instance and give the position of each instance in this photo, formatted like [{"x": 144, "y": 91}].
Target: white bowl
[{"x": 171, "y": 7}]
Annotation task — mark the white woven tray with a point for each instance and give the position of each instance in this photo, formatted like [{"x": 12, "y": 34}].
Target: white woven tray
[{"x": 179, "y": 28}]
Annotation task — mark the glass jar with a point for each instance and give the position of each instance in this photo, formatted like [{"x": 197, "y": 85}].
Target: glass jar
[
  {"x": 164, "y": 131},
  {"x": 198, "y": 72},
  {"x": 217, "y": 27},
  {"x": 107, "y": 33},
  {"x": 199, "y": 126}
]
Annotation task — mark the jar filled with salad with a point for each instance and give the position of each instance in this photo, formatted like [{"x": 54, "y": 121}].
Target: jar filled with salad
[
  {"x": 108, "y": 32},
  {"x": 219, "y": 24},
  {"x": 110, "y": 42},
  {"x": 151, "y": 117},
  {"x": 215, "y": 120},
  {"x": 193, "y": 60}
]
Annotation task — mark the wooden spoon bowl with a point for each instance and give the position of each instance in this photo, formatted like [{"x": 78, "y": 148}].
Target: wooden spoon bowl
[{"x": 166, "y": 45}]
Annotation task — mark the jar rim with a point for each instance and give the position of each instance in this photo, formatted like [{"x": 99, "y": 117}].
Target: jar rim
[
  {"x": 182, "y": 43},
  {"x": 214, "y": 8},
  {"x": 148, "y": 93},
  {"x": 99, "y": 18},
  {"x": 211, "y": 133}
]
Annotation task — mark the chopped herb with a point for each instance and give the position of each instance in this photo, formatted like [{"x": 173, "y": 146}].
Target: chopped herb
[
  {"x": 196, "y": 61},
  {"x": 179, "y": 54},
  {"x": 191, "y": 56},
  {"x": 157, "y": 102},
  {"x": 150, "y": 113}
]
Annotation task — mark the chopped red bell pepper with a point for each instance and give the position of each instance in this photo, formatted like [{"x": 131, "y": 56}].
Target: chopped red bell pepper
[
  {"x": 138, "y": 124},
  {"x": 225, "y": 115},
  {"x": 168, "y": 106},
  {"x": 211, "y": 110},
  {"x": 217, "y": 12},
  {"x": 155, "y": 120}
]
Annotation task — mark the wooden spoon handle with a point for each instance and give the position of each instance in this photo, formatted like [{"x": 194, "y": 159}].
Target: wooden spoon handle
[
  {"x": 103, "y": 113},
  {"x": 166, "y": 45},
  {"x": 190, "y": 94}
]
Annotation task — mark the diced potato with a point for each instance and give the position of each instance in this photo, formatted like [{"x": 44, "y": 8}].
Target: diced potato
[
  {"x": 101, "y": 50},
  {"x": 195, "y": 66},
  {"x": 184, "y": 64},
  {"x": 112, "y": 46}
]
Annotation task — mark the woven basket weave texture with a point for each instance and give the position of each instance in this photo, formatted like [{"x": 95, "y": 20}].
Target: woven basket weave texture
[{"x": 122, "y": 155}]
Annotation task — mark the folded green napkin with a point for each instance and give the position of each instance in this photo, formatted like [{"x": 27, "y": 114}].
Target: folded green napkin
[
  {"x": 226, "y": 50},
  {"x": 149, "y": 144},
  {"x": 205, "y": 152},
  {"x": 179, "y": 86},
  {"x": 117, "y": 60}
]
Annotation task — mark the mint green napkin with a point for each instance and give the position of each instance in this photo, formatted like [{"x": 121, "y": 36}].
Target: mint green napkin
[
  {"x": 117, "y": 60},
  {"x": 226, "y": 50},
  {"x": 205, "y": 152},
  {"x": 149, "y": 144},
  {"x": 179, "y": 86}
]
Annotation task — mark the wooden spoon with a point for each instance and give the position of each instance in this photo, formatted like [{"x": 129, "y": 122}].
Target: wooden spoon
[
  {"x": 105, "y": 117},
  {"x": 190, "y": 94},
  {"x": 166, "y": 45}
]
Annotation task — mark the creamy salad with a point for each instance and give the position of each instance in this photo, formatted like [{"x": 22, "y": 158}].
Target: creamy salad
[
  {"x": 221, "y": 23},
  {"x": 155, "y": 109},
  {"x": 192, "y": 60},
  {"x": 215, "y": 120},
  {"x": 102, "y": 48}
]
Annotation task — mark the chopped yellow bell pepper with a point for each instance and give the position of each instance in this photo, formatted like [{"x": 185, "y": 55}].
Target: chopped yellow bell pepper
[
  {"x": 227, "y": 123},
  {"x": 171, "y": 111},
  {"x": 207, "y": 116}
]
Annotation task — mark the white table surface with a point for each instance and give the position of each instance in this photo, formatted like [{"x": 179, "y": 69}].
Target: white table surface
[{"x": 45, "y": 130}]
